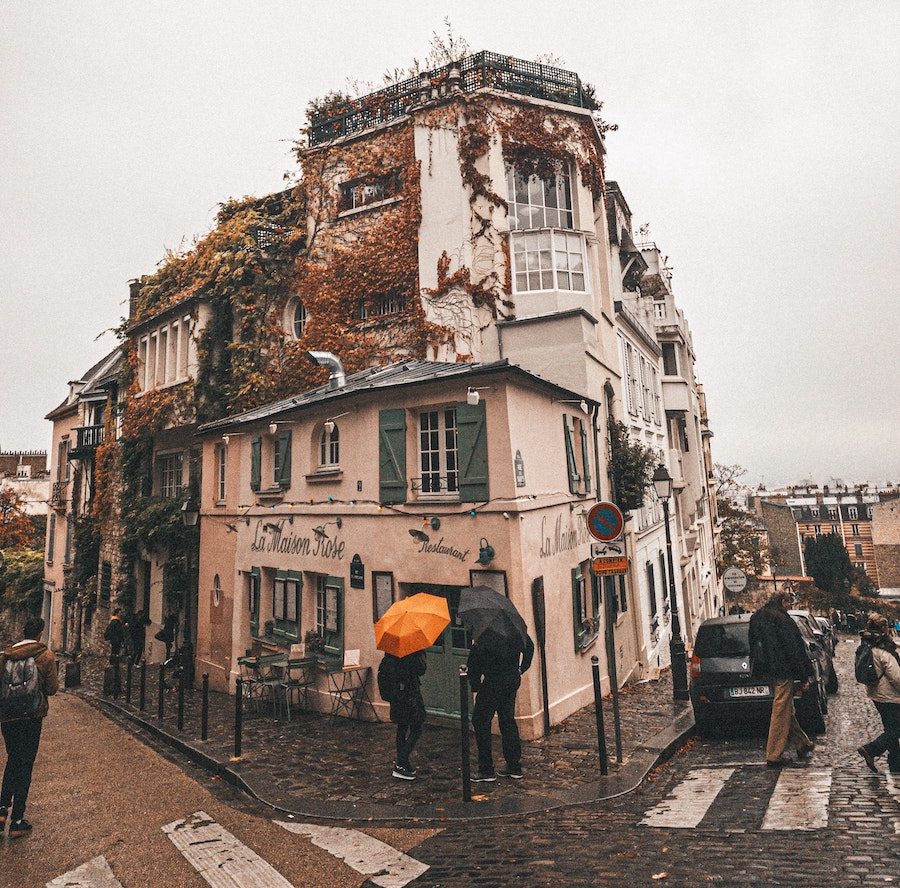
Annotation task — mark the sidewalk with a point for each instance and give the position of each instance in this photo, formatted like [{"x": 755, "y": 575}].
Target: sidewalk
[{"x": 317, "y": 767}]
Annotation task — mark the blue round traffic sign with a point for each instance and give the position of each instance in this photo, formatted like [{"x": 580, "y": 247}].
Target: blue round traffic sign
[{"x": 605, "y": 522}]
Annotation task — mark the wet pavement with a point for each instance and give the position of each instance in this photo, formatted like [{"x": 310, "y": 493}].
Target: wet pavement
[{"x": 345, "y": 765}]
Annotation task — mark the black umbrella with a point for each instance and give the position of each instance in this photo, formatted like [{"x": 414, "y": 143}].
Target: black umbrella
[{"x": 482, "y": 610}]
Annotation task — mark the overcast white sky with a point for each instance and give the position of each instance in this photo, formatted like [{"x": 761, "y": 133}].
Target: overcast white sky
[{"x": 759, "y": 140}]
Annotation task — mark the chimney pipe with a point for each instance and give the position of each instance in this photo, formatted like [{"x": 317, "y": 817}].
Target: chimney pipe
[{"x": 336, "y": 378}]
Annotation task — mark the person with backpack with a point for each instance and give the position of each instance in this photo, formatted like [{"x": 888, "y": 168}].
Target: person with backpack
[
  {"x": 778, "y": 655},
  {"x": 399, "y": 685},
  {"x": 27, "y": 678},
  {"x": 877, "y": 666}
]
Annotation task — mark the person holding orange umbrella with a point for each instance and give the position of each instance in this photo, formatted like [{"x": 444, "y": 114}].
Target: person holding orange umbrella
[{"x": 407, "y": 628}]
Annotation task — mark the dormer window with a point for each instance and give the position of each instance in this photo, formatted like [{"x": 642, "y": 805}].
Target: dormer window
[{"x": 330, "y": 447}]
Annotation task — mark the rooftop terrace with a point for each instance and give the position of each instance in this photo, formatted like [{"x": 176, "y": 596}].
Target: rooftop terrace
[{"x": 479, "y": 71}]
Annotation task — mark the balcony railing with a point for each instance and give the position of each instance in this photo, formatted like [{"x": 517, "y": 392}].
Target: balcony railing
[
  {"x": 484, "y": 69},
  {"x": 59, "y": 495},
  {"x": 88, "y": 439}
]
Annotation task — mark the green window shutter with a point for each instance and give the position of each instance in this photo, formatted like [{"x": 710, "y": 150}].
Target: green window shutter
[
  {"x": 471, "y": 443},
  {"x": 570, "y": 454},
  {"x": 392, "y": 456},
  {"x": 585, "y": 459},
  {"x": 255, "y": 463},
  {"x": 576, "y": 606},
  {"x": 284, "y": 460},
  {"x": 51, "y": 536}
]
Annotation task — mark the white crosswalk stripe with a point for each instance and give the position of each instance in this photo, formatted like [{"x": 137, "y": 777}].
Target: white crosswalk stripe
[
  {"x": 893, "y": 785},
  {"x": 221, "y": 859},
  {"x": 688, "y": 803},
  {"x": 95, "y": 873},
  {"x": 800, "y": 800},
  {"x": 386, "y": 866}
]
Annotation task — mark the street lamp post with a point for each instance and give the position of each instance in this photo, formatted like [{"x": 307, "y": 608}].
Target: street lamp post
[
  {"x": 190, "y": 515},
  {"x": 662, "y": 482}
]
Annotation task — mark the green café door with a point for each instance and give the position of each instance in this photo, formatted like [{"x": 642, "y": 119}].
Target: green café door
[{"x": 440, "y": 684}]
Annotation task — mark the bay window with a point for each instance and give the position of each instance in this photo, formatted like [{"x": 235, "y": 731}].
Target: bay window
[{"x": 547, "y": 252}]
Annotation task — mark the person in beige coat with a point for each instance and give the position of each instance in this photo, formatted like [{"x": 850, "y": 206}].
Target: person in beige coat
[{"x": 885, "y": 694}]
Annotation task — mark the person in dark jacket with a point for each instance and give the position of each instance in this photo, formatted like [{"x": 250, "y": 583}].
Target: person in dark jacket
[
  {"x": 408, "y": 710},
  {"x": 778, "y": 655},
  {"x": 495, "y": 669},
  {"x": 22, "y": 736},
  {"x": 137, "y": 628},
  {"x": 115, "y": 635}
]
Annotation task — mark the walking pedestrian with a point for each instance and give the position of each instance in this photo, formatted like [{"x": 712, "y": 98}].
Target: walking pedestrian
[
  {"x": 496, "y": 667},
  {"x": 399, "y": 684},
  {"x": 138, "y": 630},
  {"x": 27, "y": 678},
  {"x": 167, "y": 634},
  {"x": 885, "y": 693},
  {"x": 779, "y": 656},
  {"x": 115, "y": 635}
]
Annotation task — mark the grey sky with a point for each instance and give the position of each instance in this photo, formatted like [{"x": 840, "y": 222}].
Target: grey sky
[{"x": 759, "y": 140}]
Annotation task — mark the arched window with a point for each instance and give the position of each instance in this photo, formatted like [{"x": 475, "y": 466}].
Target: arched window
[
  {"x": 330, "y": 450},
  {"x": 300, "y": 319}
]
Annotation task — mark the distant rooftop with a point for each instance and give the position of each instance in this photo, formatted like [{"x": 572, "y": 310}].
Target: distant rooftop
[{"x": 479, "y": 71}]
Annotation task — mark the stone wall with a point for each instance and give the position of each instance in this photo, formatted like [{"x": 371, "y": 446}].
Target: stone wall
[{"x": 886, "y": 541}]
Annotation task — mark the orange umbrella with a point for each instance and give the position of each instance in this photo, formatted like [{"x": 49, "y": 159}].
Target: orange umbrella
[{"x": 412, "y": 624}]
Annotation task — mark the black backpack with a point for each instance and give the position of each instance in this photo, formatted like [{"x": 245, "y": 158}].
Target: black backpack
[
  {"x": 864, "y": 664},
  {"x": 20, "y": 689},
  {"x": 388, "y": 679}
]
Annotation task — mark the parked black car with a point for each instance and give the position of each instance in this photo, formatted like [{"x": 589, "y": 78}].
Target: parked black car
[
  {"x": 828, "y": 632},
  {"x": 817, "y": 646},
  {"x": 723, "y": 690}
]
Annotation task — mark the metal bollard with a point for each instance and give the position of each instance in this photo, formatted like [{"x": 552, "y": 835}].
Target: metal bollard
[
  {"x": 142, "y": 703},
  {"x": 181, "y": 701},
  {"x": 117, "y": 679},
  {"x": 238, "y": 718},
  {"x": 598, "y": 710},
  {"x": 464, "y": 732},
  {"x": 128, "y": 683},
  {"x": 204, "y": 708},
  {"x": 162, "y": 692}
]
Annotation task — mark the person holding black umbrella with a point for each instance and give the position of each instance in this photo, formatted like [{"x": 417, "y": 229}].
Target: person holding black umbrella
[{"x": 496, "y": 664}]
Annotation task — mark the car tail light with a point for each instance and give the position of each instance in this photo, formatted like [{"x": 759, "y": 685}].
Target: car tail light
[{"x": 695, "y": 666}]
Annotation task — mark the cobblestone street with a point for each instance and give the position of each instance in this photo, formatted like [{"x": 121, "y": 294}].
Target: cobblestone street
[
  {"x": 734, "y": 842},
  {"x": 339, "y": 760}
]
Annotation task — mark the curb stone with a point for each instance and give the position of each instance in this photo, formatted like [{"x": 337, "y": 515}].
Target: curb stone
[{"x": 638, "y": 764}]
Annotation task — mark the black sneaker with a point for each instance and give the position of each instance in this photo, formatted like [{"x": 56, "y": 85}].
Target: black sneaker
[
  {"x": 485, "y": 776},
  {"x": 515, "y": 773},
  {"x": 19, "y": 828},
  {"x": 869, "y": 759},
  {"x": 402, "y": 773}
]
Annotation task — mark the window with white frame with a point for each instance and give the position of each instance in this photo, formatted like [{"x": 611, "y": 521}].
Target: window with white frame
[
  {"x": 221, "y": 468},
  {"x": 171, "y": 468},
  {"x": 868, "y": 511},
  {"x": 547, "y": 253},
  {"x": 832, "y": 512},
  {"x": 628, "y": 368},
  {"x": 438, "y": 454},
  {"x": 646, "y": 400},
  {"x": 163, "y": 354},
  {"x": 659, "y": 310},
  {"x": 852, "y": 512},
  {"x": 330, "y": 447},
  {"x": 657, "y": 397},
  {"x": 299, "y": 319},
  {"x": 286, "y": 603},
  {"x": 854, "y": 529}
]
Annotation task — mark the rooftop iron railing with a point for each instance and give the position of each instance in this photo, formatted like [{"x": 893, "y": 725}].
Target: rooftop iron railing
[{"x": 484, "y": 69}]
